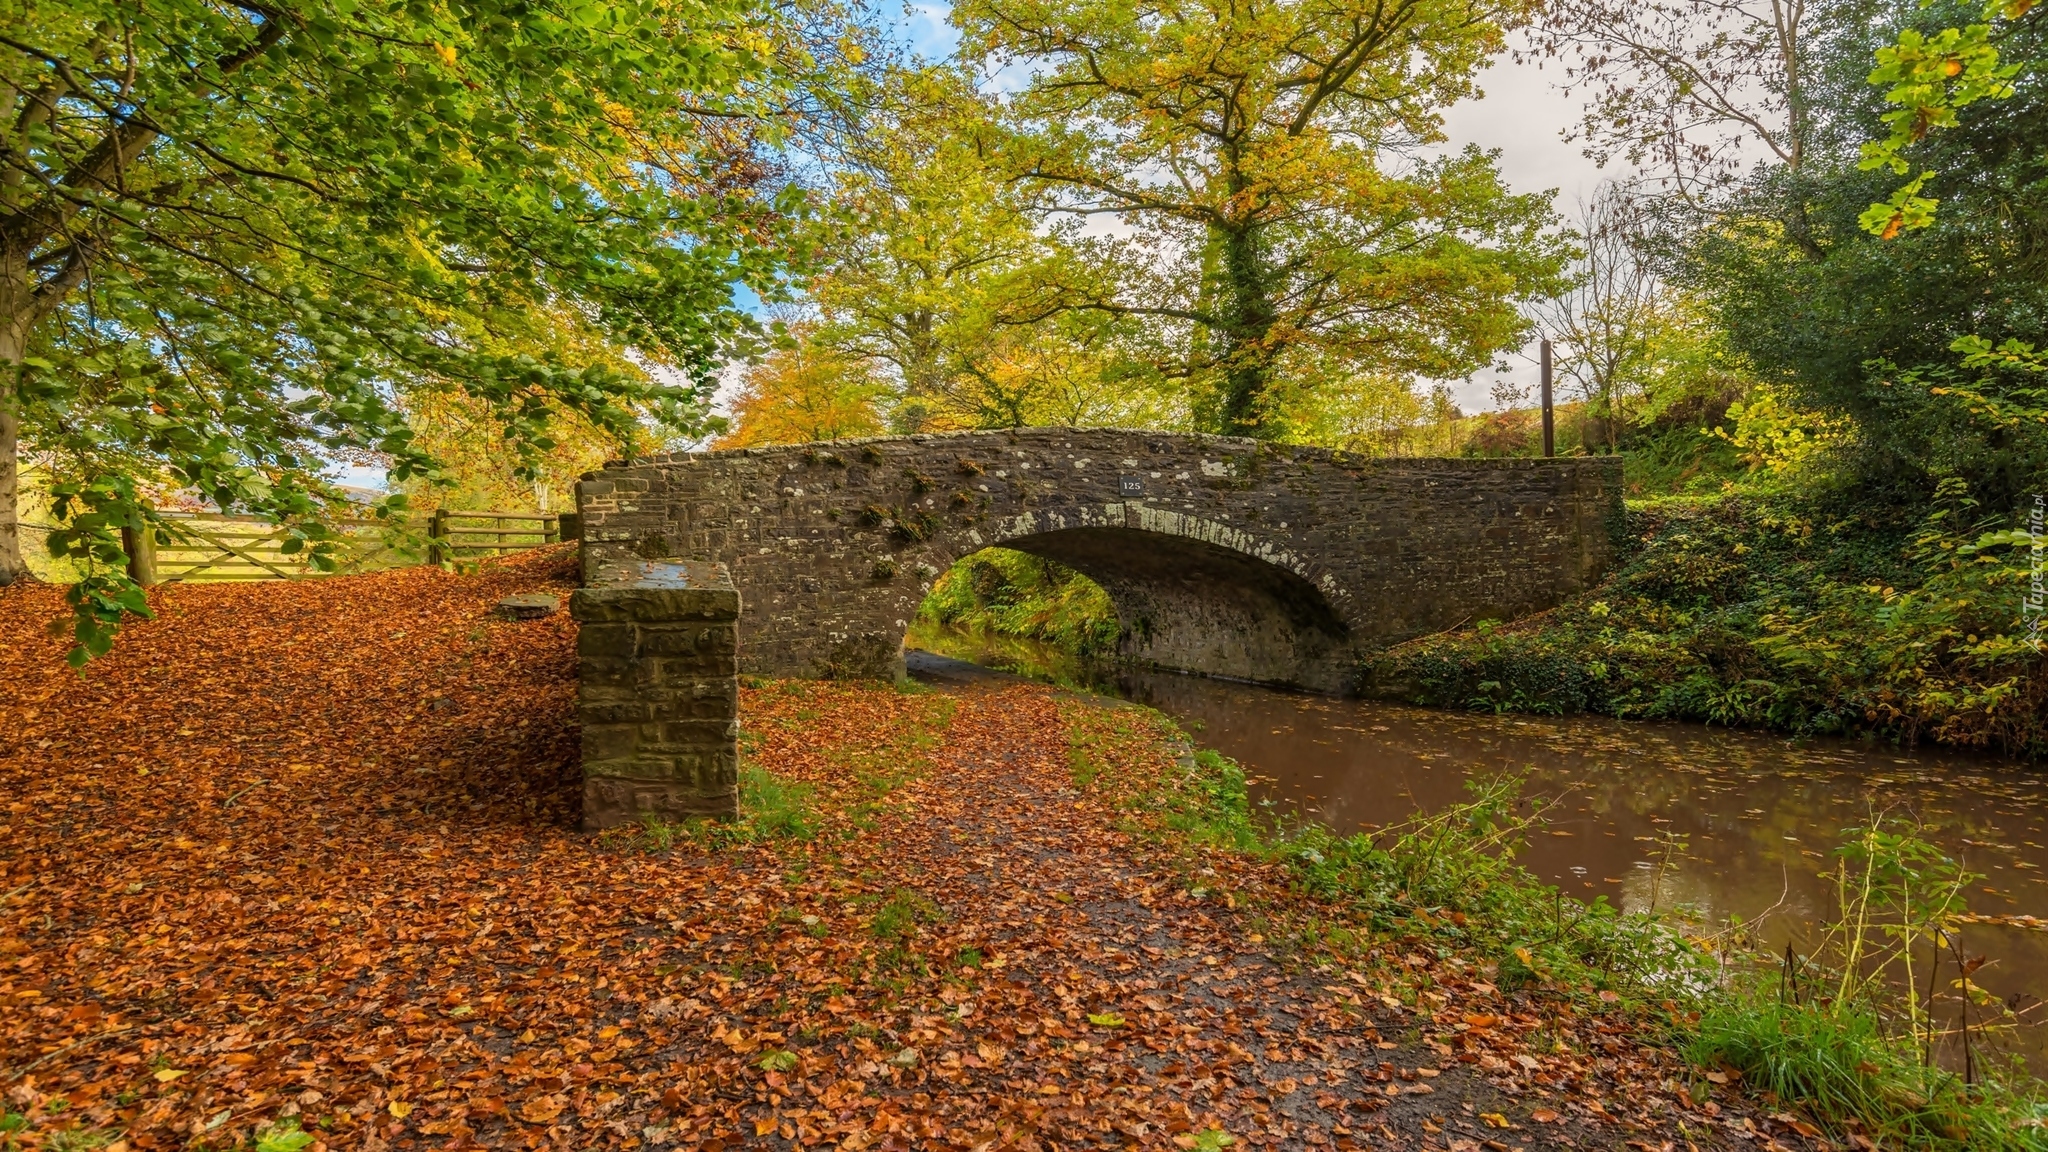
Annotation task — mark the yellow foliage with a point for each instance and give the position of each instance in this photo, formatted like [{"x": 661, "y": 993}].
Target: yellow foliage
[{"x": 806, "y": 393}]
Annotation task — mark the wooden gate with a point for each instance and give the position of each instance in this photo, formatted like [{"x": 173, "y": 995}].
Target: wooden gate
[{"x": 209, "y": 547}]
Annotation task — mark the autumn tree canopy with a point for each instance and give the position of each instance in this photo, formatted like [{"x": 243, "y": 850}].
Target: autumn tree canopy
[
  {"x": 233, "y": 237},
  {"x": 1262, "y": 161}
]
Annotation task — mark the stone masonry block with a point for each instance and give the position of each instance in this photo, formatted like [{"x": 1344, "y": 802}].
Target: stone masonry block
[
  {"x": 616, "y": 641},
  {"x": 658, "y": 697},
  {"x": 694, "y": 640}
]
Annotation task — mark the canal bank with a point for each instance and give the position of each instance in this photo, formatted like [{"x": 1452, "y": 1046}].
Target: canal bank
[{"x": 1729, "y": 835}]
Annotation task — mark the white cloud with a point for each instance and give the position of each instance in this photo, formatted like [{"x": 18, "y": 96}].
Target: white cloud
[{"x": 1524, "y": 115}]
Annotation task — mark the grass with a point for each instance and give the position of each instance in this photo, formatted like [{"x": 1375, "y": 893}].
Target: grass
[
  {"x": 776, "y": 808},
  {"x": 1844, "y": 1071},
  {"x": 771, "y": 809}
]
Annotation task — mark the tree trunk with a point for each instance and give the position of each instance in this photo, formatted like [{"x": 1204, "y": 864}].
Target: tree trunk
[
  {"x": 12, "y": 567},
  {"x": 1248, "y": 369},
  {"x": 17, "y": 320}
]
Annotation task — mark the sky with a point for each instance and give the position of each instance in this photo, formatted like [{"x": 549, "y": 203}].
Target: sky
[{"x": 1523, "y": 114}]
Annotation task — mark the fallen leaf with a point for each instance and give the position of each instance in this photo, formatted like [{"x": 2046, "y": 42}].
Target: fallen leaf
[{"x": 540, "y": 1109}]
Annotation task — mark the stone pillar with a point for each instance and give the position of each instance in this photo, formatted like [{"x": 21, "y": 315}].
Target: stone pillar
[{"x": 659, "y": 698}]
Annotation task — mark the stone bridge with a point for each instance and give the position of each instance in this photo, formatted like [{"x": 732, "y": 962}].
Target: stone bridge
[{"x": 1223, "y": 556}]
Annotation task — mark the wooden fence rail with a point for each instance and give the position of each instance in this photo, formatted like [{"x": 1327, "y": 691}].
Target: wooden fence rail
[{"x": 210, "y": 547}]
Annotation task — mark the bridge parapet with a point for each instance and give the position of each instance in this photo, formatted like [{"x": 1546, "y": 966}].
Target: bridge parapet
[{"x": 1223, "y": 556}]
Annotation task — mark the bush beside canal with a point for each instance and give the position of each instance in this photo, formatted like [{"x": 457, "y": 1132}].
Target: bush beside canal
[{"x": 1799, "y": 614}]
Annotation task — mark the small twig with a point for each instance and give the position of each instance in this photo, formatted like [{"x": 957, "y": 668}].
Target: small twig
[
  {"x": 32, "y": 1065},
  {"x": 229, "y": 802},
  {"x": 1955, "y": 943},
  {"x": 1933, "y": 970}
]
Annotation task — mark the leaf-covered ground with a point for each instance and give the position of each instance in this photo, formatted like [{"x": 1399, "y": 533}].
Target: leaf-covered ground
[{"x": 303, "y": 855}]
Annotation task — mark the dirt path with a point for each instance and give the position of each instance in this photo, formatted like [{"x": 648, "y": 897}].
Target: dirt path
[
  {"x": 299, "y": 855},
  {"x": 1218, "y": 1035}
]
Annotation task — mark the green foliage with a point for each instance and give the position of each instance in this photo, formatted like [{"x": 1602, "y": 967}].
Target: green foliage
[
  {"x": 1209, "y": 803},
  {"x": 1842, "y": 1070},
  {"x": 1788, "y": 612},
  {"x": 903, "y": 913},
  {"x": 1860, "y": 328},
  {"x": 937, "y": 274},
  {"x": 1847, "y": 1034},
  {"x": 1930, "y": 79},
  {"x": 776, "y": 1060},
  {"x": 1012, "y": 593},
  {"x": 283, "y": 1136},
  {"x": 1449, "y": 876},
  {"x": 773, "y": 807},
  {"x": 296, "y": 218},
  {"x": 1453, "y": 875},
  {"x": 1246, "y": 147}
]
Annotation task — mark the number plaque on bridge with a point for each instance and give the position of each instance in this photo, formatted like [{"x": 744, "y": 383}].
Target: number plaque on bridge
[{"x": 1130, "y": 485}]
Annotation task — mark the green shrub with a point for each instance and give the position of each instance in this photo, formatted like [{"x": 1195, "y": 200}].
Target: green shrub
[{"x": 1792, "y": 613}]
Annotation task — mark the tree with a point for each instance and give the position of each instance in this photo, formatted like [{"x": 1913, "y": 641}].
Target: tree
[
  {"x": 805, "y": 392},
  {"x": 1259, "y": 156},
  {"x": 1932, "y": 79},
  {"x": 1605, "y": 324},
  {"x": 1690, "y": 91},
  {"x": 934, "y": 266},
  {"x": 234, "y": 237},
  {"x": 1844, "y": 322},
  {"x": 1071, "y": 369}
]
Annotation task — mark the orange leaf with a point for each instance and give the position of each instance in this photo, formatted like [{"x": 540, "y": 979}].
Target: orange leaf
[{"x": 541, "y": 1109}]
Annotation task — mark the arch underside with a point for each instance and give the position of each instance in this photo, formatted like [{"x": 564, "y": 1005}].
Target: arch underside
[{"x": 1196, "y": 607}]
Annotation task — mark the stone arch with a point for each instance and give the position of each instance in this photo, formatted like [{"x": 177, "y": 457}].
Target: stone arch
[{"x": 1192, "y": 594}]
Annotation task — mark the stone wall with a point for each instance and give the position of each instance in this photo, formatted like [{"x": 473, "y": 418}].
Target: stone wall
[
  {"x": 659, "y": 693},
  {"x": 1223, "y": 556}
]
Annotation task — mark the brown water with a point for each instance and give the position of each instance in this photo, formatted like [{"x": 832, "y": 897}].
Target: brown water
[{"x": 1759, "y": 816}]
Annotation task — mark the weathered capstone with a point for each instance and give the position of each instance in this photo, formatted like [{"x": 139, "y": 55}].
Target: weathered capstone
[
  {"x": 1223, "y": 556},
  {"x": 529, "y": 605},
  {"x": 659, "y": 699}
]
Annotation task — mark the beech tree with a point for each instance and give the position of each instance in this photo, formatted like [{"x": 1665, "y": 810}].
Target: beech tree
[
  {"x": 806, "y": 392},
  {"x": 235, "y": 234},
  {"x": 1265, "y": 161},
  {"x": 933, "y": 267}
]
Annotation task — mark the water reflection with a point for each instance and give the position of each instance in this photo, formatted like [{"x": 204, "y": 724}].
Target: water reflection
[{"x": 1729, "y": 824}]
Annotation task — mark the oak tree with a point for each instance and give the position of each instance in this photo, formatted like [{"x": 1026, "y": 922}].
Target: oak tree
[{"x": 1262, "y": 171}]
